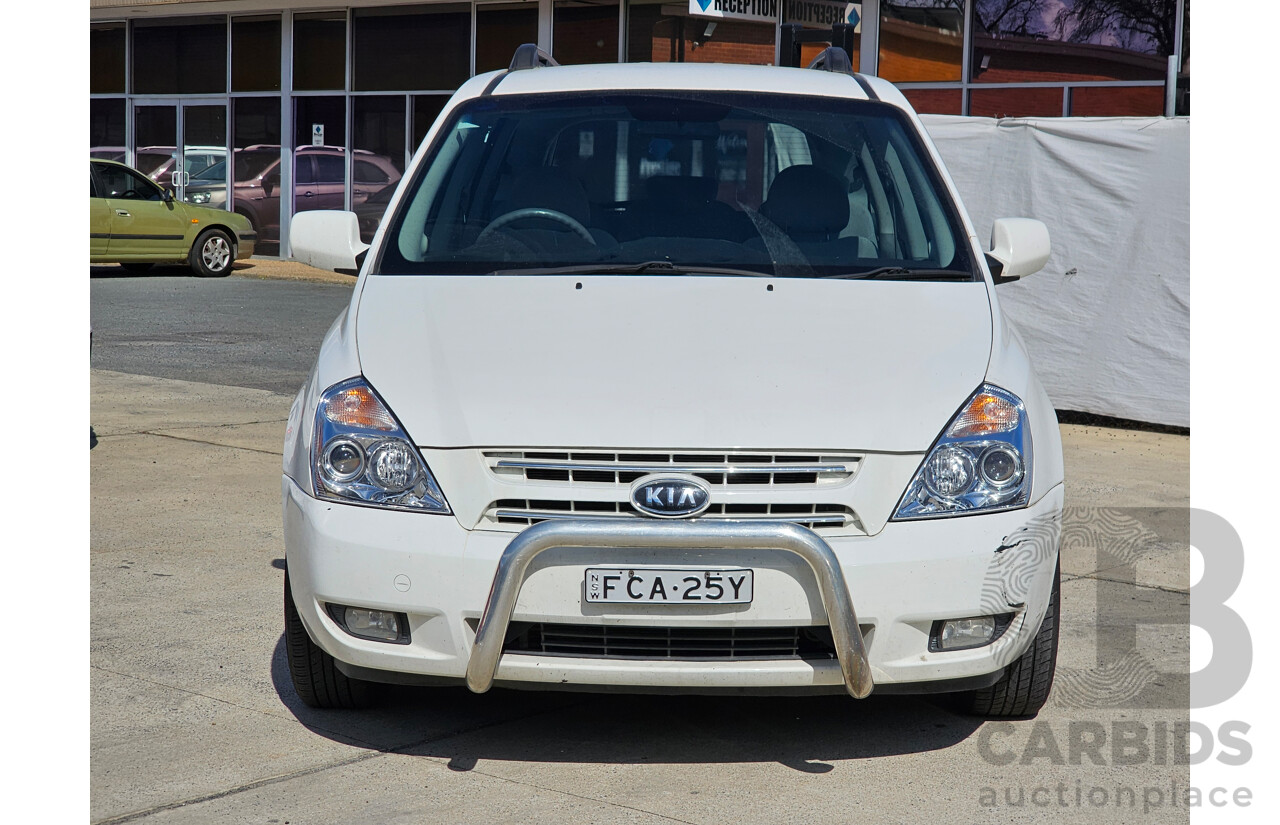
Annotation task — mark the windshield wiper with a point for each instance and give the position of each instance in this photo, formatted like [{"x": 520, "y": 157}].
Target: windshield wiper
[
  {"x": 643, "y": 268},
  {"x": 902, "y": 273}
]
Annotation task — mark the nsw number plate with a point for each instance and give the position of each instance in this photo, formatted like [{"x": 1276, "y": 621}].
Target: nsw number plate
[{"x": 642, "y": 585}]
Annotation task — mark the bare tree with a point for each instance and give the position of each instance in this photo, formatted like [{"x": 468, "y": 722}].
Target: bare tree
[
  {"x": 1140, "y": 25},
  {"x": 1018, "y": 17}
]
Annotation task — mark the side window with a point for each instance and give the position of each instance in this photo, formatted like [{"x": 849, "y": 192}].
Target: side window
[
  {"x": 924, "y": 231},
  {"x": 329, "y": 169},
  {"x": 93, "y": 185},
  {"x": 786, "y": 146},
  {"x": 305, "y": 173},
  {"x": 366, "y": 172},
  {"x": 126, "y": 184}
]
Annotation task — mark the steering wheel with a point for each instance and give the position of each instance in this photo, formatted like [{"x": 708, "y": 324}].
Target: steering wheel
[{"x": 535, "y": 212}]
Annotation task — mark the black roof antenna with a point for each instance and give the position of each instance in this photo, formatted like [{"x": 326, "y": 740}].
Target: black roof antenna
[{"x": 529, "y": 56}]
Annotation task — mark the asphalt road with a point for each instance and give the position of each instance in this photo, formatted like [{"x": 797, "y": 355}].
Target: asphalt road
[
  {"x": 232, "y": 331},
  {"x": 194, "y": 720}
]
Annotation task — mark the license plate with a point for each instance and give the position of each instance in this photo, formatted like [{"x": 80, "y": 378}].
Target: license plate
[{"x": 647, "y": 585}]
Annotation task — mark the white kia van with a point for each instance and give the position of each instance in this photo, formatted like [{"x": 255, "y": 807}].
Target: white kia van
[{"x": 681, "y": 378}]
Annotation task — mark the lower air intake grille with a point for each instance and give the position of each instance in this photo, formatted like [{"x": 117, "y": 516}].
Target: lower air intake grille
[{"x": 670, "y": 643}]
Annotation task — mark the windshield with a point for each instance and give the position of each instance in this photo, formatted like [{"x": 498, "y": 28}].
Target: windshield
[{"x": 775, "y": 185}]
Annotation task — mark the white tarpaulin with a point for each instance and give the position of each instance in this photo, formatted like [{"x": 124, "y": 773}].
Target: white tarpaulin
[{"x": 1107, "y": 320}]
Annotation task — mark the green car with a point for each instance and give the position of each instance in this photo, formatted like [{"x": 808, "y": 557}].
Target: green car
[{"x": 134, "y": 222}]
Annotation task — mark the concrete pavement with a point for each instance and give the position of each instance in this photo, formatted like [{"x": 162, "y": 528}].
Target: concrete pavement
[{"x": 194, "y": 719}]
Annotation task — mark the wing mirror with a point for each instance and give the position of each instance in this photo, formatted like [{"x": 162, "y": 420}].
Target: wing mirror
[
  {"x": 327, "y": 239},
  {"x": 1019, "y": 247},
  {"x": 168, "y": 195},
  {"x": 269, "y": 183}
]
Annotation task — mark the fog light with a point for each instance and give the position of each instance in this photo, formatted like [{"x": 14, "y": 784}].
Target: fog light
[
  {"x": 960, "y": 634},
  {"x": 378, "y": 625}
]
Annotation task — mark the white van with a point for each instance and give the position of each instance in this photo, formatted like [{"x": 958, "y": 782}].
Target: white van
[{"x": 681, "y": 378}]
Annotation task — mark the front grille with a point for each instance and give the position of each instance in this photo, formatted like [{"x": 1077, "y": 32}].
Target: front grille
[
  {"x": 532, "y": 511},
  {"x": 720, "y": 468},
  {"x": 670, "y": 643}
]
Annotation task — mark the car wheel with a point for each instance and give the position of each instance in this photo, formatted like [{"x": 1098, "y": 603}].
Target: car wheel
[
  {"x": 315, "y": 674},
  {"x": 212, "y": 254},
  {"x": 1023, "y": 689},
  {"x": 137, "y": 269}
]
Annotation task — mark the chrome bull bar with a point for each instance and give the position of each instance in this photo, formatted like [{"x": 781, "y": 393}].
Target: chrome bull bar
[{"x": 693, "y": 535}]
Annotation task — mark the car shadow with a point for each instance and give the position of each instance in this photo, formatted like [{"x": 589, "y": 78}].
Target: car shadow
[
  {"x": 806, "y": 734},
  {"x": 105, "y": 271}
]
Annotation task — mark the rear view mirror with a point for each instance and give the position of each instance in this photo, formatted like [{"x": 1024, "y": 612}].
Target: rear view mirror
[
  {"x": 1019, "y": 247},
  {"x": 328, "y": 240}
]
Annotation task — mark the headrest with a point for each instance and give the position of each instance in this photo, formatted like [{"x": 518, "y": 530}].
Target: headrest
[
  {"x": 805, "y": 200},
  {"x": 550, "y": 188}
]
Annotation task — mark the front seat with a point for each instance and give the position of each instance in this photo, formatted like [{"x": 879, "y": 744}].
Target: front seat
[{"x": 812, "y": 207}]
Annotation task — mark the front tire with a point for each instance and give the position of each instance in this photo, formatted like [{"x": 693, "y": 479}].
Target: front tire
[
  {"x": 1024, "y": 688},
  {"x": 212, "y": 254},
  {"x": 315, "y": 674}
]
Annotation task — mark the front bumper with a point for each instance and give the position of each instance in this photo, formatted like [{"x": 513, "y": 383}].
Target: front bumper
[{"x": 443, "y": 577}]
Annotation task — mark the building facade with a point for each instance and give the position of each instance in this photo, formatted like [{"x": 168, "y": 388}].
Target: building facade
[{"x": 320, "y": 105}]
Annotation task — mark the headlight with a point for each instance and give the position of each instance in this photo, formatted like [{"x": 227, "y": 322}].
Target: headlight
[
  {"x": 363, "y": 456},
  {"x": 199, "y": 197},
  {"x": 982, "y": 461}
]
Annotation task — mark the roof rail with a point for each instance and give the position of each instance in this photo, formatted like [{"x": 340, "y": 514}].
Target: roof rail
[
  {"x": 529, "y": 56},
  {"x": 832, "y": 59}
]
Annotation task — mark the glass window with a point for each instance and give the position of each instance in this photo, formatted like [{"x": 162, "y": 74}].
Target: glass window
[
  {"x": 255, "y": 54},
  {"x": 1071, "y": 40},
  {"x": 500, "y": 28},
  {"x": 330, "y": 168},
  {"x": 934, "y": 101},
  {"x": 255, "y": 190},
  {"x": 1033, "y": 102},
  {"x": 1104, "y": 101},
  {"x": 782, "y": 185},
  {"x": 378, "y": 156},
  {"x": 585, "y": 31},
  {"x": 921, "y": 41},
  {"x": 319, "y": 171},
  {"x": 106, "y": 128},
  {"x": 320, "y": 51},
  {"x": 155, "y": 136},
  {"x": 426, "y": 108},
  {"x": 659, "y": 32},
  {"x": 180, "y": 55},
  {"x": 371, "y": 173},
  {"x": 411, "y": 47},
  {"x": 106, "y": 58}
]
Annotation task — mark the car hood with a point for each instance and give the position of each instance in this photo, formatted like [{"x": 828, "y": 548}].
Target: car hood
[{"x": 671, "y": 361}]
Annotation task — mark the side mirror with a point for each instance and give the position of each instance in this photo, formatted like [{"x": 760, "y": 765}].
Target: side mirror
[
  {"x": 269, "y": 183},
  {"x": 1019, "y": 247},
  {"x": 327, "y": 239},
  {"x": 168, "y": 195}
]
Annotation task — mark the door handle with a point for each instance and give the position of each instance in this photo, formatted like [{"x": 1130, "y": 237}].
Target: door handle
[
  {"x": 306, "y": 194},
  {"x": 122, "y": 213}
]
